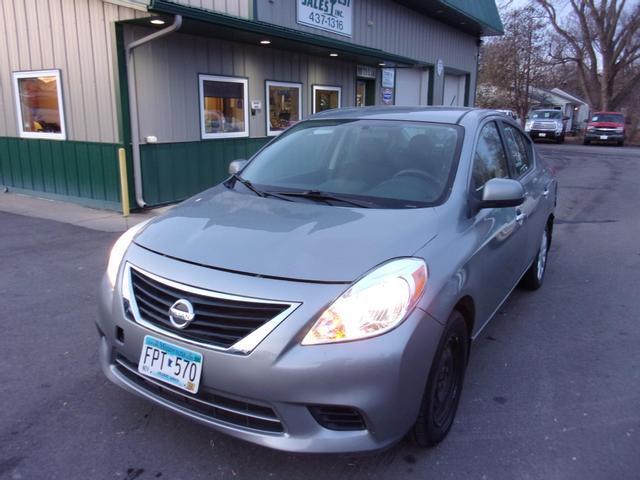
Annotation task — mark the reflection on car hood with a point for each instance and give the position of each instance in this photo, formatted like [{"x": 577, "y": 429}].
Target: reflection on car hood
[{"x": 226, "y": 229}]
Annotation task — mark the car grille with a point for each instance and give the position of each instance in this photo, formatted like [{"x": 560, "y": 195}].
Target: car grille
[
  {"x": 220, "y": 322},
  {"x": 604, "y": 131},
  {"x": 337, "y": 418},
  {"x": 543, "y": 126},
  {"x": 211, "y": 406}
]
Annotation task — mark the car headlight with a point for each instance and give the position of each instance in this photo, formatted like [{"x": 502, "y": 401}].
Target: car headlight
[
  {"x": 591, "y": 128},
  {"x": 119, "y": 249},
  {"x": 527, "y": 126},
  {"x": 375, "y": 304},
  {"x": 619, "y": 129}
]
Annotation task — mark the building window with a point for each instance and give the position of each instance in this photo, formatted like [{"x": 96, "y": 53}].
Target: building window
[
  {"x": 224, "y": 111},
  {"x": 284, "y": 106},
  {"x": 325, "y": 98},
  {"x": 39, "y": 104}
]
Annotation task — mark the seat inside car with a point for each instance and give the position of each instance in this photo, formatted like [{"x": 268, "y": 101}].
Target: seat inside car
[
  {"x": 367, "y": 163},
  {"x": 421, "y": 156}
]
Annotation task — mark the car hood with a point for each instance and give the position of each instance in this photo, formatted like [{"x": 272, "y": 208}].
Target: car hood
[{"x": 225, "y": 229}]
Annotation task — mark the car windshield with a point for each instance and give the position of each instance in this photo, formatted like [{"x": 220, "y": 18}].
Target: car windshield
[
  {"x": 387, "y": 164},
  {"x": 554, "y": 114},
  {"x": 607, "y": 117}
]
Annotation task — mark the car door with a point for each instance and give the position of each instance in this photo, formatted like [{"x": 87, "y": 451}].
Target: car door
[
  {"x": 494, "y": 229},
  {"x": 530, "y": 215}
]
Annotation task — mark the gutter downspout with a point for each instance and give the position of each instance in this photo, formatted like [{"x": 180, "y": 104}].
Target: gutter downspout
[{"x": 133, "y": 103}]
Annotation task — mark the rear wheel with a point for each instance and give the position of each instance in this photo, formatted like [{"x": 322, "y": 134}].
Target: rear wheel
[
  {"x": 534, "y": 277},
  {"x": 444, "y": 386}
]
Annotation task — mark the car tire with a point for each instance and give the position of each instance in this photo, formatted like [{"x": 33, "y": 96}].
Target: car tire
[
  {"x": 621, "y": 143},
  {"x": 444, "y": 385},
  {"x": 586, "y": 142},
  {"x": 534, "y": 277}
]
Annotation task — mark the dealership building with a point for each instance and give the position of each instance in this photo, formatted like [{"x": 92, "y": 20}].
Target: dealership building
[{"x": 175, "y": 90}]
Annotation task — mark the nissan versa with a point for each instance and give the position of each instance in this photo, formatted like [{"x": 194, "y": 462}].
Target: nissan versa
[{"x": 324, "y": 297}]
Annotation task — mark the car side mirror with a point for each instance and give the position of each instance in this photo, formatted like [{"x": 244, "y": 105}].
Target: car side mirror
[
  {"x": 236, "y": 166},
  {"x": 501, "y": 193}
]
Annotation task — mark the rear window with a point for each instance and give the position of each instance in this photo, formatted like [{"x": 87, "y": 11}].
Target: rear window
[{"x": 608, "y": 117}]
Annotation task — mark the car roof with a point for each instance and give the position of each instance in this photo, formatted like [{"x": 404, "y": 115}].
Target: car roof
[{"x": 451, "y": 115}]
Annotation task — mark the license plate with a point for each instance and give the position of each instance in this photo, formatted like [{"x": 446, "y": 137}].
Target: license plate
[
  {"x": 542, "y": 134},
  {"x": 604, "y": 137},
  {"x": 170, "y": 364}
]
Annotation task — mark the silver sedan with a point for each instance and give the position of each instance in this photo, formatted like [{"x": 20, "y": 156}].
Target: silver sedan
[{"x": 325, "y": 297}]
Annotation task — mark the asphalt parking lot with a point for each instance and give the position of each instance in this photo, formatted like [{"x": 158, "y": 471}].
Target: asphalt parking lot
[{"x": 552, "y": 390}]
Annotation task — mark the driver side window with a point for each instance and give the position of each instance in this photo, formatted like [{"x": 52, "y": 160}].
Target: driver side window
[{"x": 489, "y": 160}]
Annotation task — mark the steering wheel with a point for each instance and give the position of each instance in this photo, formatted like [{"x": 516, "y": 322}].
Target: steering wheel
[{"x": 414, "y": 172}]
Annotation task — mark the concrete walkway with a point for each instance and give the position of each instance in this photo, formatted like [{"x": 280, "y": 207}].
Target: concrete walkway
[{"x": 95, "y": 219}]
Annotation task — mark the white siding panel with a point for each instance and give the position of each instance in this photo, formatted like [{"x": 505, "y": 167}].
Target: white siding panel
[
  {"x": 238, "y": 8},
  {"x": 7, "y": 115},
  {"x": 78, "y": 38}
]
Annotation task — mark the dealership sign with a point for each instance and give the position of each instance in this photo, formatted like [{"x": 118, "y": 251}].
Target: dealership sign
[{"x": 330, "y": 15}]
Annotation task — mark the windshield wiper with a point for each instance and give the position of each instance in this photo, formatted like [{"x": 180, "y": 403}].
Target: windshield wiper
[
  {"x": 260, "y": 193},
  {"x": 324, "y": 196}
]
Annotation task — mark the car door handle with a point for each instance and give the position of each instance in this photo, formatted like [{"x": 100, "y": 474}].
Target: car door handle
[
  {"x": 545, "y": 192},
  {"x": 520, "y": 217}
]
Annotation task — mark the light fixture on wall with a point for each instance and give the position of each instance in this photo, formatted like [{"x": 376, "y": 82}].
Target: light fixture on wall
[
  {"x": 265, "y": 42},
  {"x": 333, "y": 54},
  {"x": 158, "y": 21}
]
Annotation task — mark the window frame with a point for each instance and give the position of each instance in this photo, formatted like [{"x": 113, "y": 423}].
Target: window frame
[
  {"x": 18, "y": 75},
  {"x": 244, "y": 81},
  {"x": 330, "y": 88},
  {"x": 277, "y": 83},
  {"x": 510, "y": 162},
  {"x": 497, "y": 123}
]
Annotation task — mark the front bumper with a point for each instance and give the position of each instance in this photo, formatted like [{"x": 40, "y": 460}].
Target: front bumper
[
  {"x": 604, "y": 137},
  {"x": 545, "y": 134},
  {"x": 382, "y": 378}
]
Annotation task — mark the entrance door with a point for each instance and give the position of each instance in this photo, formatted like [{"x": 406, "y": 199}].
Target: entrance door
[
  {"x": 365, "y": 92},
  {"x": 412, "y": 86},
  {"x": 454, "y": 86}
]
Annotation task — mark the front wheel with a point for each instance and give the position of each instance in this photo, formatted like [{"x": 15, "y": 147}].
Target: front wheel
[
  {"x": 534, "y": 277},
  {"x": 444, "y": 386}
]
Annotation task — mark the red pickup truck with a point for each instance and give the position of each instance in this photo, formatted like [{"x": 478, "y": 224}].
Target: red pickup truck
[{"x": 605, "y": 127}]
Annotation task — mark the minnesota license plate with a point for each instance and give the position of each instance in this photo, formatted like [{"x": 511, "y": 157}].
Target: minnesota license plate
[
  {"x": 542, "y": 134},
  {"x": 170, "y": 364},
  {"x": 604, "y": 137}
]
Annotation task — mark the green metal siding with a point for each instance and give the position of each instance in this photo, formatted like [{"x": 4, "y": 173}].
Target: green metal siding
[
  {"x": 174, "y": 171},
  {"x": 85, "y": 172}
]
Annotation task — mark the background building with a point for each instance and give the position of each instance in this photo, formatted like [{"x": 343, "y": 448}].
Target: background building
[{"x": 186, "y": 86}]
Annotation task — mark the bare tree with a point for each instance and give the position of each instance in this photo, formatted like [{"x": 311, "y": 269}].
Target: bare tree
[
  {"x": 602, "y": 39},
  {"x": 511, "y": 64}
]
